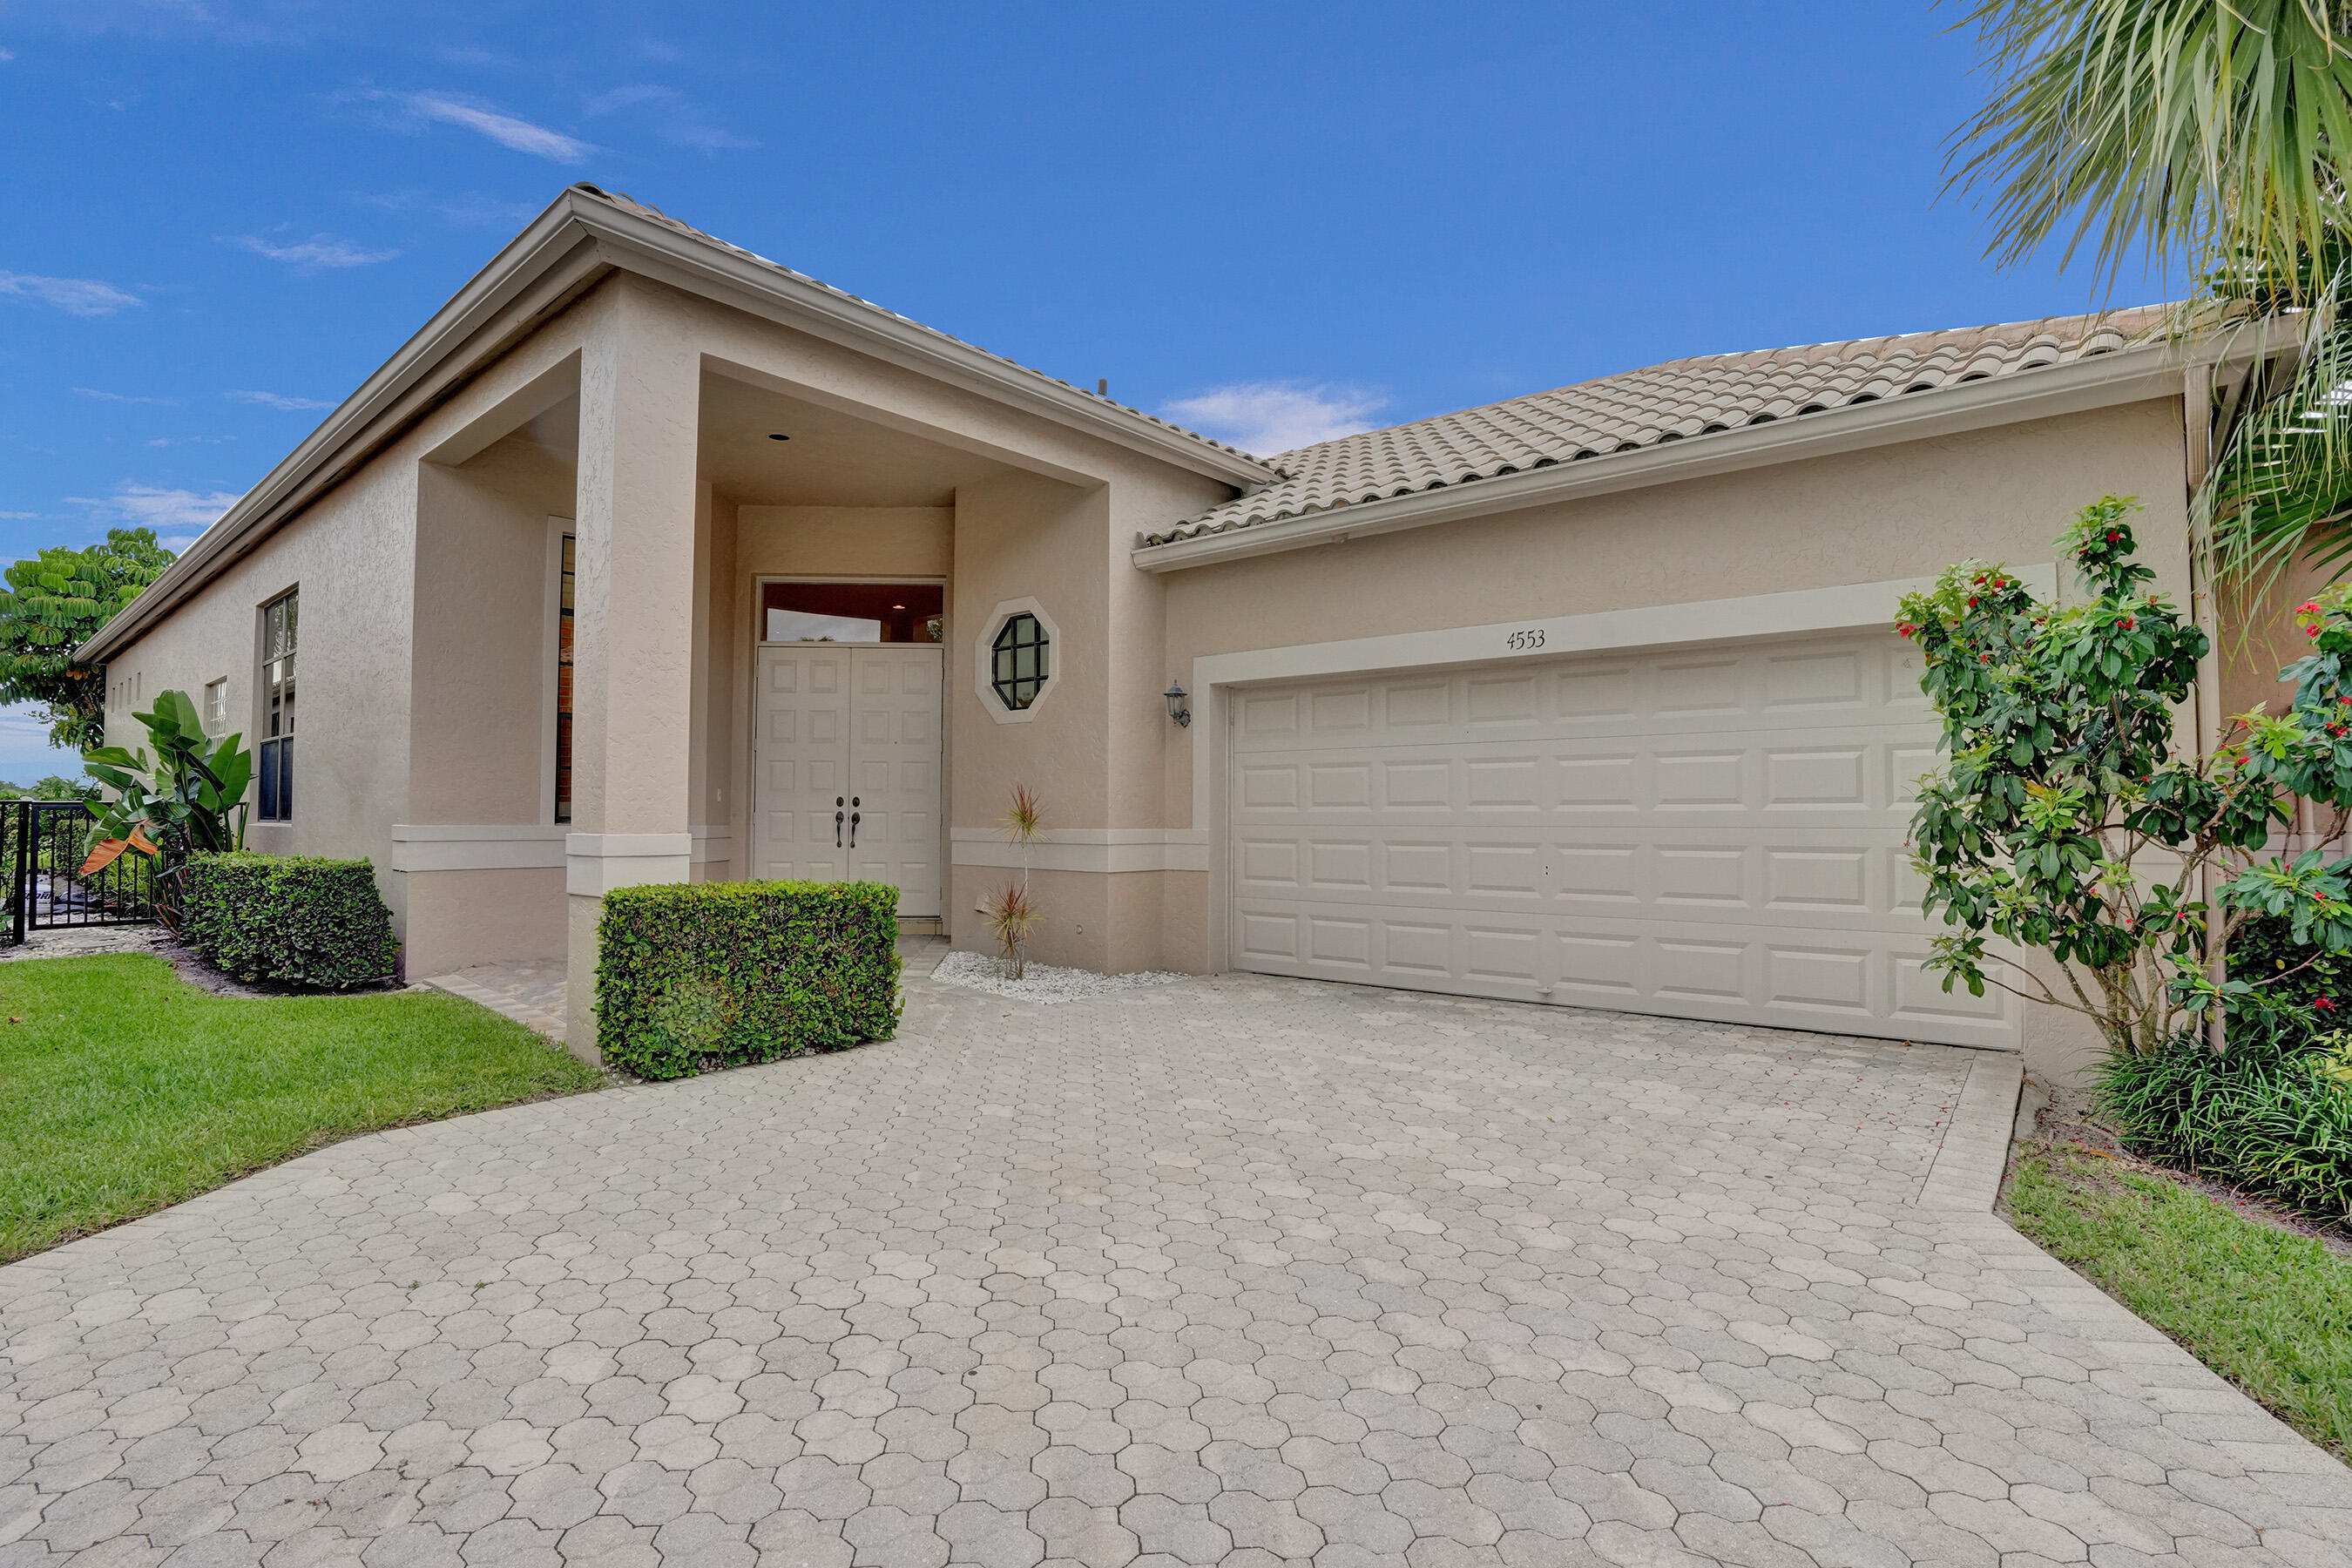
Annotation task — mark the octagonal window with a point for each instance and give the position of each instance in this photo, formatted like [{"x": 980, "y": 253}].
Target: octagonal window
[{"x": 1020, "y": 661}]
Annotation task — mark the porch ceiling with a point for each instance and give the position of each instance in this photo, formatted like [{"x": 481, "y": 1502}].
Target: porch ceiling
[{"x": 833, "y": 458}]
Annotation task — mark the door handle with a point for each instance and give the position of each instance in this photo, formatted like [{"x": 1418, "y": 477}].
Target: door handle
[
  {"x": 853, "y": 822},
  {"x": 836, "y": 821}
]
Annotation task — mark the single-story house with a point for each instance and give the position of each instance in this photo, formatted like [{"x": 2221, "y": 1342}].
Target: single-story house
[{"x": 649, "y": 559}]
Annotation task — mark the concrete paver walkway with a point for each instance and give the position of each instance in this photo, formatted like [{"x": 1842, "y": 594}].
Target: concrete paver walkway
[{"x": 1235, "y": 1271}]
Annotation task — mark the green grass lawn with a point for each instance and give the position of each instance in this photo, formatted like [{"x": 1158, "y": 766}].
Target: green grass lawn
[
  {"x": 2269, "y": 1310},
  {"x": 124, "y": 1088}
]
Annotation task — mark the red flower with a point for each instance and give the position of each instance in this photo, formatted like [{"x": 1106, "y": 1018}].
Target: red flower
[
  {"x": 2311, "y": 631},
  {"x": 2113, "y": 536},
  {"x": 2129, "y": 624},
  {"x": 2308, "y": 607},
  {"x": 2323, "y": 1004},
  {"x": 1972, "y": 604}
]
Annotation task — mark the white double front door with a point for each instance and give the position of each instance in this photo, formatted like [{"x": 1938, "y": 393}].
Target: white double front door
[{"x": 846, "y": 767}]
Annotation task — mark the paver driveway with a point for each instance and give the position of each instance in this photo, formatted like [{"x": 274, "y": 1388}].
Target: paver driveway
[{"x": 1230, "y": 1271}]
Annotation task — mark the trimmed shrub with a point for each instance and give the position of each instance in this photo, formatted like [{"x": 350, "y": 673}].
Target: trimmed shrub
[
  {"x": 697, "y": 975},
  {"x": 2272, "y": 1114},
  {"x": 290, "y": 920}
]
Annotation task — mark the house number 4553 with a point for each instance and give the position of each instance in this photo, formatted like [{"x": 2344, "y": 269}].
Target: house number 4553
[{"x": 1526, "y": 640}]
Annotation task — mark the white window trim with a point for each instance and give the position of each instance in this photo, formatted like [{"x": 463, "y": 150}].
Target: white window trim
[
  {"x": 1853, "y": 607},
  {"x": 983, "y": 662},
  {"x": 551, "y": 609},
  {"x": 261, "y": 666}
]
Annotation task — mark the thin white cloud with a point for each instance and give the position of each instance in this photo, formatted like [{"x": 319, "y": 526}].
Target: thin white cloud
[
  {"x": 19, "y": 516},
  {"x": 1270, "y": 417},
  {"x": 74, "y": 295},
  {"x": 277, "y": 400},
  {"x": 470, "y": 209},
  {"x": 508, "y": 132},
  {"x": 322, "y": 250},
  {"x": 122, "y": 397},
  {"x": 675, "y": 118},
  {"x": 149, "y": 506},
  {"x": 7, "y": 55}
]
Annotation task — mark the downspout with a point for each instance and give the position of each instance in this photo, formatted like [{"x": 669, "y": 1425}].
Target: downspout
[{"x": 2197, "y": 415}]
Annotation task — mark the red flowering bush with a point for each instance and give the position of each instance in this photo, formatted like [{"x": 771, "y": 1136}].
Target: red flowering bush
[{"x": 2064, "y": 823}]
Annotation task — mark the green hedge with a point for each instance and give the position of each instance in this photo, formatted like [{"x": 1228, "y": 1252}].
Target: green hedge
[
  {"x": 290, "y": 920},
  {"x": 697, "y": 975}
]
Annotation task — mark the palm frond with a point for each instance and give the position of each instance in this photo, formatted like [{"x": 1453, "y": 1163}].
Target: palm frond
[
  {"x": 2278, "y": 497},
  {"x": 2218, "y": 131}
]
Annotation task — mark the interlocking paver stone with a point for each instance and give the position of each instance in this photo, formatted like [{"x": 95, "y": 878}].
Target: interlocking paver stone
[{"x": 1239, "y": 1271}]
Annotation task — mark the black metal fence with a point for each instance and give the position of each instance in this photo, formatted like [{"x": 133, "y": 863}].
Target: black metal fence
[{"x": 43, "y": 843}]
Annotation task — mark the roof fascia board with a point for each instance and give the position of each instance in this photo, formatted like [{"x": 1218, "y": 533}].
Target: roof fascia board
[
  {"x": 566, "y": 248},
  {"x": 539, "y": 271},
  {"x": 2126, "y": 376},
  {"x": 641, "y": 245}
]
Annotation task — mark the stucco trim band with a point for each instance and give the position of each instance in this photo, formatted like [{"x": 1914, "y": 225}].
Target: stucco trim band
[
  {"x": 1096, "y": 849},
  {"x": 597, "y": 863},
  {"x": 454, "y": 846}
]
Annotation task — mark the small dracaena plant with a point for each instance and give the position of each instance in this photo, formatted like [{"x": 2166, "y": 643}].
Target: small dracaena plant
[
  {"x": 1013, "y": 913},
  {"x": 2062, "y": 823}
]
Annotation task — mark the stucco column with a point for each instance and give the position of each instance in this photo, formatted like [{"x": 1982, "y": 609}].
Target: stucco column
[{"x": 633, "y": 623}]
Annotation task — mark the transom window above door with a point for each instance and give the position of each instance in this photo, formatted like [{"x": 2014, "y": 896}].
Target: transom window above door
[{"x": 852, "y": 611}]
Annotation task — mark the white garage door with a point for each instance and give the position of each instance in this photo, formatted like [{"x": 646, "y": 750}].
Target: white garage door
[{"x": 1711, "y": 832}]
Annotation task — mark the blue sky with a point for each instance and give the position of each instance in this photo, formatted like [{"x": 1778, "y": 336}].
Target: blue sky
[{"x": 1275, "y": 222}]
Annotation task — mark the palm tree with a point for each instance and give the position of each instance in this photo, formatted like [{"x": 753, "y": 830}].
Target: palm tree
[{"x": 2217, "y": 133}]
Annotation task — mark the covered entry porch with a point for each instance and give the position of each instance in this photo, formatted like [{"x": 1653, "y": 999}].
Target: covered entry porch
[{"x": 690, "y": 607}]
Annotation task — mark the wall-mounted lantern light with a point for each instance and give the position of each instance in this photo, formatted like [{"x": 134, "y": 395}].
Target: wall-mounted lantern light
[{"x": 1177, "y": 710}]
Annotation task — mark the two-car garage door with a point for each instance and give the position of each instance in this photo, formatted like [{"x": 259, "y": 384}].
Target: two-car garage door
[{"x": 1714, "y": 832}]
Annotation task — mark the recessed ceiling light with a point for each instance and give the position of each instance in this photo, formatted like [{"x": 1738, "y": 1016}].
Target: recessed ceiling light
[
  {"x": 898, "y": 606},
  {"x": 778, "y": 436}
]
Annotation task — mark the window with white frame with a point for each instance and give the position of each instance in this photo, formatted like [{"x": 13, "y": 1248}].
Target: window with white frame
[
  {"x": 279, "y": 619},
  {"x": 217, "y": 705}
]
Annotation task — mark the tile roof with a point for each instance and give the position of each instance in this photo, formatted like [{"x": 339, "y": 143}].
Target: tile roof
[
  {"x": 1642, "y": 408},
  {"x": 629, "y": 204}
]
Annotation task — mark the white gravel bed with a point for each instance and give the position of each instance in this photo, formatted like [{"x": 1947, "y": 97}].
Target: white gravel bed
[{"x": 1040, "y": 981}]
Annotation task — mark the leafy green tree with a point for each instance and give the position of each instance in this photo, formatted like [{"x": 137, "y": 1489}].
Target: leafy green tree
[
  {"x": 2064, "y": 823},
  {"x": 55, "y": 601},
  {"x": 2218, "y": 134},
  {"x": 52, "y": 786}
]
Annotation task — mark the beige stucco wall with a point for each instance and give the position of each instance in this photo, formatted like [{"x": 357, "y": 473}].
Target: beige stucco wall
[
  {"x": 352, "y": 551},
  {"x": 349, "y": 557},
  {"x": 484, "y": 646},
  {"x": 1892, "y": 512}
]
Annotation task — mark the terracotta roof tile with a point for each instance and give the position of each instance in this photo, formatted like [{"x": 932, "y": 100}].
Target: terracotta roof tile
[{"x": 1682, "y": 399}]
